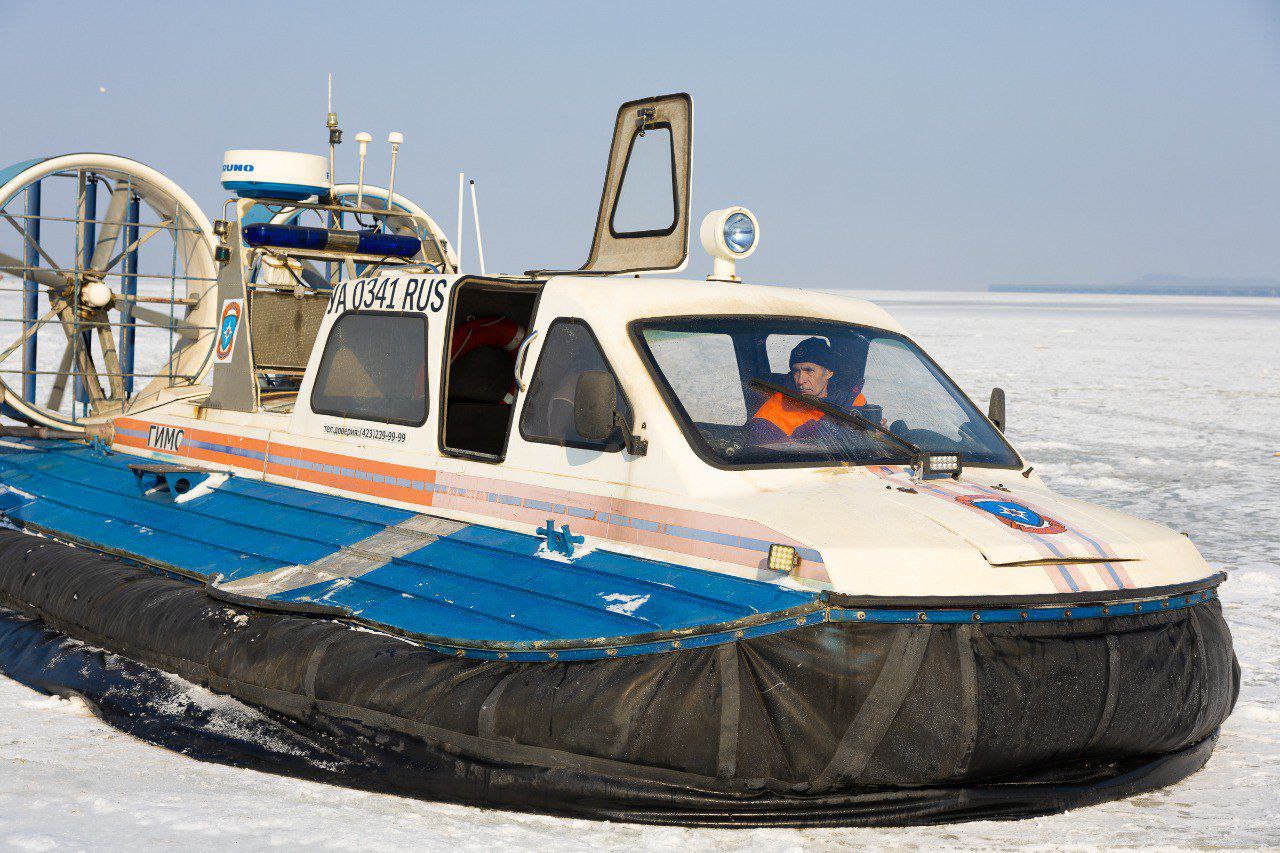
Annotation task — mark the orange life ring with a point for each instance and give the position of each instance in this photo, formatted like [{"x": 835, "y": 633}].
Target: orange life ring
[{"x": 501, "y": 332}]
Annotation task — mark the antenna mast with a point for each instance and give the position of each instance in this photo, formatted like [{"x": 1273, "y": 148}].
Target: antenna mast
[{"x": 335, "y": 132}]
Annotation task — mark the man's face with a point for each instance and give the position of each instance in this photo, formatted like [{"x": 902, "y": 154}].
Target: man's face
[{"x": 811, "y": 378}]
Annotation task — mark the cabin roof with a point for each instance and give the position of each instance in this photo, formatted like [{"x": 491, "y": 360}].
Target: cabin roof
[{"x": 632, "y": 297}]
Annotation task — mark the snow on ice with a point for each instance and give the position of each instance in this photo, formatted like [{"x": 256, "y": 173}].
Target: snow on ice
[{"x": 1163, "y": 407}]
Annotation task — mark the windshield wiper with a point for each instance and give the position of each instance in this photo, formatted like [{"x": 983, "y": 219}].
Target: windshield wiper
[{"x": 849, "y": 417}]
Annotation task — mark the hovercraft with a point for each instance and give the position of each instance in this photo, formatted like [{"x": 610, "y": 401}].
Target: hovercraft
[{"x": 597, "y": 542}]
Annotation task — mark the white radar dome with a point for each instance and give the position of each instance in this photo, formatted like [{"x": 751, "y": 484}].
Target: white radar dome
[{"x": 275, "y": 174}]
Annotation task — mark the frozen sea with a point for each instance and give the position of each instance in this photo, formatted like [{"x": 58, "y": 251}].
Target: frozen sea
[{"x": 1165, "y": 407}]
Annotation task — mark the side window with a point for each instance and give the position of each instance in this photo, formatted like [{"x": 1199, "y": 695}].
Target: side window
[
  {"x": 374, "y": 368},
  {"x": 569, "y": 351}
]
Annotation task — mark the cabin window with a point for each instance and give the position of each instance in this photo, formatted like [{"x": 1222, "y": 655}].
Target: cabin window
[
  {"x": 569, "y": 351},
  {"x": 780, "y": 364},
  {"x": 374, "y": 369},
  {"x": 646, "y": 204},
  {"x": 901, "y": 383},
  {"x": 696, "y": 364}
]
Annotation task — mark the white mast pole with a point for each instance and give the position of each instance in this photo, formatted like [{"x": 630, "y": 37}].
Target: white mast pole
[
  {"x": 462, "y": 180},
  {"x": 476, "y": 212}
]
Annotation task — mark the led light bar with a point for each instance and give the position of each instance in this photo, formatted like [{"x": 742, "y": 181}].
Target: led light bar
[
  {"x": 934, "y": 466},
  {"x": 331, "y": 240}
]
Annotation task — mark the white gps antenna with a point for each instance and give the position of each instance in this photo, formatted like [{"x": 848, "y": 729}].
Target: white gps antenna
[
  {"x": 395, "y": 137},
  {"x": 362, "y": 139}
]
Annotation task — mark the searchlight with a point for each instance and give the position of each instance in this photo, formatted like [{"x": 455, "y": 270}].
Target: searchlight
[{"x": 729, "y": 235}]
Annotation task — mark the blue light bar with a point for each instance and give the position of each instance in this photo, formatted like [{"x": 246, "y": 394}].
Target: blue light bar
[
  {"x": 331, "y": 240},
  {"x": 388, "y": 245}
]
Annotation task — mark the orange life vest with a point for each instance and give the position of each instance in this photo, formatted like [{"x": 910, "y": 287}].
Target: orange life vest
[
  {"x": 786, "y": 414},
  {"x": 789, "y": 415}
]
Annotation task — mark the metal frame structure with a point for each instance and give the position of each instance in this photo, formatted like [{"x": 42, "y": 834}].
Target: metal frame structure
[
  {"x": 241, "y": 382},
  {"x": 100, "y": 358}
]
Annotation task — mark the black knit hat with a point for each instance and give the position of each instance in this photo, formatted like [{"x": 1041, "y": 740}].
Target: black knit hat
[{"x": 815, "y": 351}]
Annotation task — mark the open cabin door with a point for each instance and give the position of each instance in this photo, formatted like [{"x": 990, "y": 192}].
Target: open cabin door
[{"x": 643, "y": 222}]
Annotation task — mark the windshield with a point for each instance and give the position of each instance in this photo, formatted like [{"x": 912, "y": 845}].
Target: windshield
[{"x": 716, "y": 373}]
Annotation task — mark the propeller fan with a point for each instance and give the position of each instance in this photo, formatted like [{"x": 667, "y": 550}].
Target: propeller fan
[{"x": 113, "y": 306}]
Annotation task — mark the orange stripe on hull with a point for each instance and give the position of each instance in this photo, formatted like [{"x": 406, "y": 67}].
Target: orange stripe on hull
[
  {"x": 472, "y": 494},
  {"x": 362, "y": 485}
]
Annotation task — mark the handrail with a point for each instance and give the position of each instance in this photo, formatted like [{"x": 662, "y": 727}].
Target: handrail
[{"x": 520, "y": 355}]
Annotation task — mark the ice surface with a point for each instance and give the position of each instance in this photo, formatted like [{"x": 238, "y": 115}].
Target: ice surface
[{"x": 1161, "y": 406}]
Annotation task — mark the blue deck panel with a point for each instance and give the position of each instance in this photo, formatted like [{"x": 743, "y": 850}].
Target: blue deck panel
[
  {"x": 244, "y": 528},
  {"x": 495, "y": 578},
  {"x": 478, "y": 584}
]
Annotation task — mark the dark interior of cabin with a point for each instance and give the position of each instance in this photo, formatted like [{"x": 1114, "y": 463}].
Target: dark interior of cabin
[{"x": 489, "y": 322}]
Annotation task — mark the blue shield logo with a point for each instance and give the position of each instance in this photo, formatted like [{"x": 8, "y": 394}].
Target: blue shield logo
[{"x": 1015, "y": 515}]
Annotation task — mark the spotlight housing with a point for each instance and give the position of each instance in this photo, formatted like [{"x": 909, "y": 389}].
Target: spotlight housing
[{"x": 728, "y": 236}]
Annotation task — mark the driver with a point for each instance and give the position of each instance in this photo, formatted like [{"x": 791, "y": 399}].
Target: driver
[{"x": 813, "y": 363}]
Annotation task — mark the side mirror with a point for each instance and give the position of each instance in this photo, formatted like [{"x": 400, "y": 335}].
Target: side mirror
[
  {"x": 595, "y": 400},
  {"x": 995, "y": 410}
]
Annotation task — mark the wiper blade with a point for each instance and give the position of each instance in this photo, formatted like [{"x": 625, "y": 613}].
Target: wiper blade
[{"x": 841, "y": 414}]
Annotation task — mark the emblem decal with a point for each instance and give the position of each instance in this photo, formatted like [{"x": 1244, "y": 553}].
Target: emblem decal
[
  {"x": 1013, "y": 514},
  {"x": 228, "y": 322}
]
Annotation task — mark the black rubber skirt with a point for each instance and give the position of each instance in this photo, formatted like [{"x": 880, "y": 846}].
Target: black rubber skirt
[{"x": 823, "y": 725}]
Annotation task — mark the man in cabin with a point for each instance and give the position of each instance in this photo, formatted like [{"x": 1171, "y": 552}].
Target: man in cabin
[{"x": 780, "y": 419}]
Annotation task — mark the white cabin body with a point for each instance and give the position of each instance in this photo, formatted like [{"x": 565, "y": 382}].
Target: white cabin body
[{"x": 861, "y": 529}]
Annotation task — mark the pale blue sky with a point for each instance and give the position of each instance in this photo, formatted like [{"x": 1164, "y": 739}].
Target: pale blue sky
[{"x": 889, "y": 145}]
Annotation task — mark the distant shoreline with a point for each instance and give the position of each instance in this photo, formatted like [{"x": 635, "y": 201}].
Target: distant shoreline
[{"x": 1138, "y": 290}]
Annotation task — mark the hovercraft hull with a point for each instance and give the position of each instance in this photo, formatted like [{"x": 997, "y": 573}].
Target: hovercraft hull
[
  {"x": 148, "y": 704},
  {"x": 829, "y": 724},
  {"x": 740, "y": 705}
]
